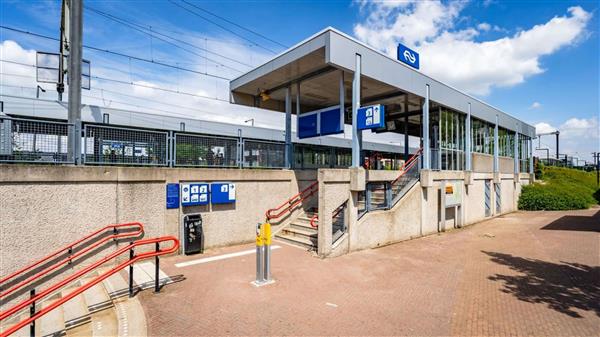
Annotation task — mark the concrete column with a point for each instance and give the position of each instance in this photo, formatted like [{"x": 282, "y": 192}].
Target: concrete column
[
  {"x": 356, "y": 139},
  {"x": 425, "y": 126},
  {"x": 496, "y": 146},
  {"x": 74, "y": 71},
  {"x": 288, "y": 128},
  {"x": 468, "y": 139}
]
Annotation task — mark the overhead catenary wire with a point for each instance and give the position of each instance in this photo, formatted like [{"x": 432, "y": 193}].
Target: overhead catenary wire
[
  {"x": 236, "y": 24},
  {"x": 119, "y": 81},
  {"x": 153, "y": 33},
  {"x": 222, "y": 26},
  {"x": 137, "y": 58}
]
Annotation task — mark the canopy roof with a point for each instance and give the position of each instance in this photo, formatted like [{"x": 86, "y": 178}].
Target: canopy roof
[{"x": 317, "y": 64}]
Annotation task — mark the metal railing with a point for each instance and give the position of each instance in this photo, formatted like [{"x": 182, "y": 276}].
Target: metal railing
[
  {"x": 409, "y": 176},
  {"x": 263, "y": 154},
  {"x": 205, "y": 151},
  {"x": 133, "y": 258},
  {"x": 295, "y": 201},
  {"x": 110, "y": 145},
  {"x": 34, "y": 141}
]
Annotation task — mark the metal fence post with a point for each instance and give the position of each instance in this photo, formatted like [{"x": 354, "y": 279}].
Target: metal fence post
[
  {"x": 131, "y": 255},
  {"x": 32, "y": 313},
  {"x": 368, "y": 198},
  {"x": 157, "y": 263}
]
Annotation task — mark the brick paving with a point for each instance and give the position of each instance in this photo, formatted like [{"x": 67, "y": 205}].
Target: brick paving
[{"x": 522, "y": 274}]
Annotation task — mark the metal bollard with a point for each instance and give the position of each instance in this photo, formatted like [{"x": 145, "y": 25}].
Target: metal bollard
[
  {"x": 259, "y": 255},
  {"x": 267, "y": 251}
]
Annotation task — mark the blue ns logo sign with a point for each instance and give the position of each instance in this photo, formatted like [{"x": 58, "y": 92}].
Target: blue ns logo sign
[{"x": 408, "y": 56}]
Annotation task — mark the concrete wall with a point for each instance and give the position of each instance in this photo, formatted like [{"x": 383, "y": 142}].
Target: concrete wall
[
  {"x": 417, "y": 213},
  {"x": 45, "y": 207}
]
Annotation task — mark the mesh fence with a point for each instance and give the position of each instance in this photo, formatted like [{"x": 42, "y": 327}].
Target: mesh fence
[
  {"x": 263, "y": 154},
  {"x": 24, "y": 140},
  {"x": 123, "y": 146},
  {"x": 208, "y": 151}
]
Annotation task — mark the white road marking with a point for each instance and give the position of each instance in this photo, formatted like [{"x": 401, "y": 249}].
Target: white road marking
[
  {"x": 332, "y": 305},
  {"x": 219, "y": 257}
]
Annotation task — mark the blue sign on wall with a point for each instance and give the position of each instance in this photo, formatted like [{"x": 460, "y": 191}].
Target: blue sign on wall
[
  {"x": 172, "y": 196},
  {"x": 222, "y": 193},
  {"x": 371, "y": 117},
  {"x": 307, "y": 126},
  {"x": 193, "y": 194},
  {"x": 408, "y": 56}
]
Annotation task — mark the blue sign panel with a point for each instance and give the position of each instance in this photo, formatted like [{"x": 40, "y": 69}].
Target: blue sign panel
[
  {"x": 172, "y": 196},
  {"x": 331, "y": 122},
  {"x": 307, "y": 126},
  {"x": 222, "y": 193},
  {"x": 193, "y": 194},
  {"x": 408, "y": 56},
  {"x": 371, "y": 117}
]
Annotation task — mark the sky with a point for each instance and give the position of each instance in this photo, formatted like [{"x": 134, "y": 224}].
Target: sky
[{"x": 536, "y": 60}]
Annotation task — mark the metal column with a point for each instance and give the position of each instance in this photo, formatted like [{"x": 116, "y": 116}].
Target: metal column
[
  {"x": 468, "y": 139},
  {"x": 496, "y": 146},
  {"x": 516, "y": 152},
  {"x": 425, "y": 126},
  {"x": 342, "y": 98},
  {"x": 74, "y": 71},
  {"x": 288, "y": 128},
  {"x": 530, "y": 142},
  {"x": 356, "y": 141},
  {"x": 406, "y": 140}
]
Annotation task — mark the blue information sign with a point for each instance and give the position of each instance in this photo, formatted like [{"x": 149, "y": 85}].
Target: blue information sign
[
  {"x": 172, "y": 196},
  {"x": 193, "y": 194},
  {"x": 307, "y": 126},
  {"x": 222, "y": 193},
  {"x": 408, "y": 56},
  {"x": 327, "y": 121},
  {"x": 371, "y": 117}
]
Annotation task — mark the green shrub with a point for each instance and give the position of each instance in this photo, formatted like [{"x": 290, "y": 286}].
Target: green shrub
[
  {"x": 539, "y": 170},
  {"x": 562, "y": 189}
]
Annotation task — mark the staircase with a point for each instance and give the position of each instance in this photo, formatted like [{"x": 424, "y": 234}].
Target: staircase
[
  {"x": 91, "y": 313},
  {"x": 300, "y": 232}
]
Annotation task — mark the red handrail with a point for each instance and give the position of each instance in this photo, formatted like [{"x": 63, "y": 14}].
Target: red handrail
[
  {"x": 316, "y": 217},
  {"x": 89, "y": 284},
  {"x": 66, "y": 248},
  {"x": 132, "y": 234},
  {"x": 408, "y": 164},
  {"x": 292, "y": 202}
]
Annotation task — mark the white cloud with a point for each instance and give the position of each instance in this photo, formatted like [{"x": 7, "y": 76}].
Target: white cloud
[
  {"x": 578, "y": 137},
  {"x": 544, "y": 127},
  {"x": 484, "y": 26},
  {"x": 454, "y": 56},
  {"x": 535, "y": 105}
]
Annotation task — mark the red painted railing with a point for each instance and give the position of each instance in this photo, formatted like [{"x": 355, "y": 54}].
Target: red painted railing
[
  {"x": 412, "y": 161},
  {"x": 139, "y": 230},
  {"x": 141, "y": 256},
  {"x": 292, "y": 202},
  {"x": 315, "y": 218}
]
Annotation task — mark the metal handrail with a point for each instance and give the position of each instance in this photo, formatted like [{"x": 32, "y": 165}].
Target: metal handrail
[
  {"x": 133, "y": 259},
  {"x": 69, "y": 248},
  {"x": 408, "y": 164},
  {"x": 292, "y": 202},
  {"x": 315, "y": 217}
]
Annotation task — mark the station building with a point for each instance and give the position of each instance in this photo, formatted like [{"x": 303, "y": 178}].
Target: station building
[{"x": 329, "y": 194}]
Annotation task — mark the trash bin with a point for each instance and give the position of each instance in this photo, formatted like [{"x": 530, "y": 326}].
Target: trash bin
[{"x": 193, "y": 236}]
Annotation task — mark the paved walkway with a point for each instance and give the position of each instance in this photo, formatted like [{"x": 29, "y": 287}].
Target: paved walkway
[{"x": 527, "y": 273}]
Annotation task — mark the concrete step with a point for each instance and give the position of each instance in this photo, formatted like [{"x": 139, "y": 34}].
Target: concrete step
[
  {"x": 297, "y": 241},
  {"x": 105, "y": 323},
  {"x": 309, "y": 233},
  {"x": 75, "y": 311},
  {"x": 52, "y": 323},
  {"x": 96, "y": 297}
]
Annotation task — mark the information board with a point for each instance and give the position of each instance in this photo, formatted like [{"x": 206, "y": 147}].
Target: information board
[
  {"x": 194, "y": 194},
  {"x": 453, "y": 193},
  {"x": 222, "y": 193},
  {"x": 327, "y": 121},
  {"x": 371, "y": 117},
  {"x": 408, "y": 56},
  {"x": 172, "y": 195}
]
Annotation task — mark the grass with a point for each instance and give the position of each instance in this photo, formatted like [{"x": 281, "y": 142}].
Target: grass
[{"x": 561, "y": 189}]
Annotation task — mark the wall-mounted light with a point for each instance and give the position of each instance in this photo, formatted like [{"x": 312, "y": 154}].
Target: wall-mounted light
[
  {"x": 105, "y": 118},
  {"x": 182, "y": 126}
]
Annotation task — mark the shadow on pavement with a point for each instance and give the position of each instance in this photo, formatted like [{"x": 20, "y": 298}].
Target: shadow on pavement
[
  {"x": 563, "y": 287},
  {"x": 576, "y": 223}
]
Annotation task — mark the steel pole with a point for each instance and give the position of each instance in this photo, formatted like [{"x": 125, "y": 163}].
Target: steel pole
[
  {"x": 496, "y": 147},
  {"x": 355, "y": 106},
  {"x": 425, "y": 126},
  {"x": 74, "y": 73},
  {"x": 468, "y": 139}
]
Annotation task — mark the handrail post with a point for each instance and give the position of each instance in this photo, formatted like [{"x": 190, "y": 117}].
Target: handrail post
[
  {"x": 156, "y": 262},
  {"x": 131, "y": 255},
  {"x": 32, "y": 313},
  {"x": 70, "y": 252}
]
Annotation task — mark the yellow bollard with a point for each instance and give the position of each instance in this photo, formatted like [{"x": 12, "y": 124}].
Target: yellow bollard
[
  {"x": 266, "y": 229},
  {"x": 259, "y": 254}
]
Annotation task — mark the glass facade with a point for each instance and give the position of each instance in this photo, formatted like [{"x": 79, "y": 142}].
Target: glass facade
[
  {"x": 448, "y": 139},
  {"x": 482, "y": 136}
]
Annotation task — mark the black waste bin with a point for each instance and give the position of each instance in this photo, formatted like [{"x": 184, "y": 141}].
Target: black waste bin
[{"x": 192, "y": 234}]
